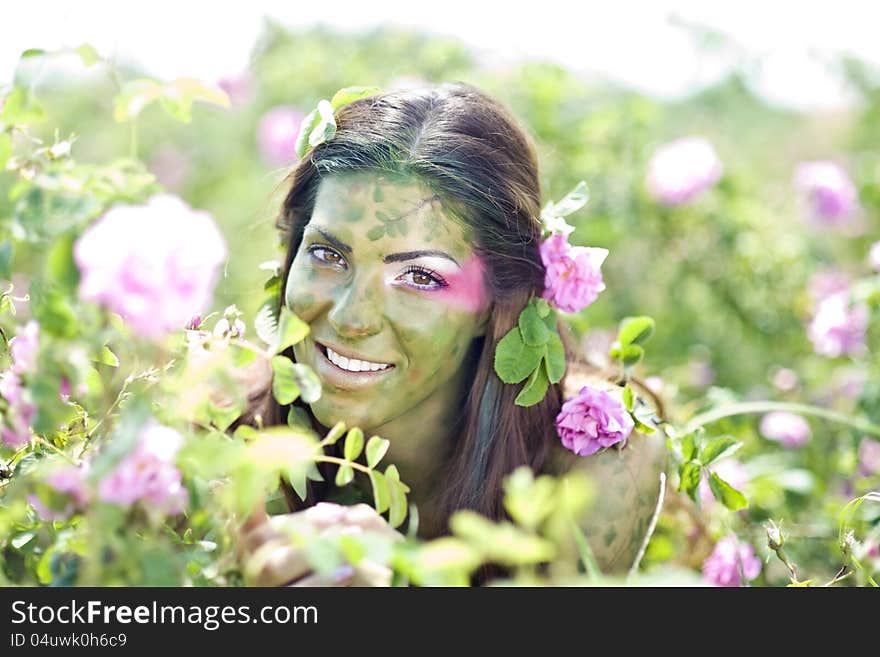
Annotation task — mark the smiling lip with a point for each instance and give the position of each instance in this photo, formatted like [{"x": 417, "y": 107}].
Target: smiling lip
[{"x": 340, "y": 378}]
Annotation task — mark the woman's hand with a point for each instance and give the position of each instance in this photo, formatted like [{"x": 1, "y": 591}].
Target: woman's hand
[{"x": 271, "y": 555}]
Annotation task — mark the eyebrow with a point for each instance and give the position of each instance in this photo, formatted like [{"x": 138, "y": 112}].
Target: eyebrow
[
  {"x": 394, "y": 257},
  {"x": 412, "y": 255},
  {"x": 339, "y": 244}
]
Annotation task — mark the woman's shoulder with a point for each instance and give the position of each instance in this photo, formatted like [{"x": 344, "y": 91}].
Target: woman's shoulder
[{"x": 625, "y": 482}]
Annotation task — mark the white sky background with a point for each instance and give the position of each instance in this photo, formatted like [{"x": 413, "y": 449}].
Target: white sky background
[{"x": 629, "y": 41}]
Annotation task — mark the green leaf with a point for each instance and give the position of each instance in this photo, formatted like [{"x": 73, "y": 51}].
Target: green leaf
[
  {"x": 326, "y": 127},
  {"x": 720, "y": 447},
  {"x": 134, "y": 97},
  {"x": 308, "y": 382},
  {"x": 266, "y": 323},
  {"x": 351, "y": 94},
  {"x": 178, "y": 97},
  {"x": 381, "y": 495},
  {"x": 354, "y": 444},
  {"x": 32, "y": 52},
  {"x": 291, "y": 330},
  {"x": 21, "y": 108},
  {"x": 309, "y": 122},
  {"x": 375, "y": 233},
  {"x": 5, "y": 150},
  {"x": 573, "y": 201},
  {"x": 535, "y": 388},
  {"x": 298, "y": 418},
  {"x": 688, "y": 447},
  {"x": 689, "y": 473},
  {"x": 629, "y": 356},
  {"x": 628, "y": 397},
  {"x": 284, "y": 386},
  {"x": 344, "y": 475},
  {"x": 87, "y": 54},
  {"x": 532, "y": 328},
  {"x": 61, "y": 268},
  {"x": 334, "y": 434},
  {"x": 543, "y": 308},
  {"x": 554, "y": 359},
  {"x": 376, "y": 449},
  {"x": 635, "y": 330},
  {"x": 642, "y": 427},
  {"x": 514, "y": 359},
  {"x": 397, "y": 497},
  {"x": 727, "y": 494},
  {"x": 107, "y": 357}
]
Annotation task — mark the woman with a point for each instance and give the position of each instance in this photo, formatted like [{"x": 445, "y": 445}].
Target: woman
[{"x": 412, "y": 246}]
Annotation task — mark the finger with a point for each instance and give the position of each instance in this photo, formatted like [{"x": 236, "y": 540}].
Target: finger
[
  {"x": 342, "y": 576},
  {"x": 370, "y": 573},
  {"x": 257, "y": 517},
  {"x": 368, "y": 519},
  {"x": 276, "y": 563},
  {"x": 251, "y": 541}
]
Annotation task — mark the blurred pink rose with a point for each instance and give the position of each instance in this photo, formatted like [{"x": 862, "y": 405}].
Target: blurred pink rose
[
  {"x": 838, "y": 328},
  {"x": 731, "y": 562},
  {"x": 681, "y": 170},
  {"x": 573, "y": 276},
  {"x": 869, "y": 457},
  {"x": 592, "y": 420},
  {"x": 148, "y": 473},
  {"x": 24, "y": 347},
  {"x": 68, "y": 480},
  {"x": 825, "y": 283},
  {"x": 786, "y": 428},
  {"x": 785, "y": 379},
  {"x": 874, "y": 256},
  {"x": 830, "y": 195},
  {"x": 20, "y": 412},
  {"x": 155, "y": 264},
  {"x": 277, "y": 133},
  {"x": 241, "y": 87},
  {"x": 731, "y": 471}
]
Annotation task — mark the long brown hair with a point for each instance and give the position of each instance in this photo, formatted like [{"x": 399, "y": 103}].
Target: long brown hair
[{"x": 468, "y": 150}]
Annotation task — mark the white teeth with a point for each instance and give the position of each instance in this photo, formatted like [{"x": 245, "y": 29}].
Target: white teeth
[{"x": 354, "y": 364}]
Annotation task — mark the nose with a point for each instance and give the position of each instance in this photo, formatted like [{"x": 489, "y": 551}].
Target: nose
[{"x": 357, "y": 312}]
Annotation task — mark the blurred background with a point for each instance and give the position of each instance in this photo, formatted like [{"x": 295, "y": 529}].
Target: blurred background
[{"x": 726, "y": 269}]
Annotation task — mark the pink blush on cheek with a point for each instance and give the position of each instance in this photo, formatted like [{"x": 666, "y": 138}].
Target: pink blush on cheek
[{"x": 466, "y": 288}]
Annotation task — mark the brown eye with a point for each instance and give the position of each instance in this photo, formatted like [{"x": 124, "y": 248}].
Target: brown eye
[
  {"x": 327, "y": 256},
  {"x": 421, "y": 278}
]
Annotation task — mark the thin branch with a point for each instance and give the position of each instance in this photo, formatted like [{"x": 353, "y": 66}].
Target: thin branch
[{"x": 651, "y": 527}]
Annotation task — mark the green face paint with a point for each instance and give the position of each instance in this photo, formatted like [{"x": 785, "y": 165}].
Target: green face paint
[{"x": 401, "y": 307}]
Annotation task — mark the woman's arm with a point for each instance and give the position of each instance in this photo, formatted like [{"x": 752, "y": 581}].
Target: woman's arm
[{"x": 626, "y": 486}]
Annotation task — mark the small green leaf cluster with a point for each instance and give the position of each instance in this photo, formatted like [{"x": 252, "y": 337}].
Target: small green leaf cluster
[
  {"x": 532, "y": 351},
  {"x": 696, "y": 455},
  {"x": 319, "y": 125}
]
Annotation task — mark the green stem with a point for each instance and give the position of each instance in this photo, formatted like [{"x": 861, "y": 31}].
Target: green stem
[
  {"x": 45, "y": 443},
  {"x": 338, "y": 461},
  {"x": 745, "y": 408}
]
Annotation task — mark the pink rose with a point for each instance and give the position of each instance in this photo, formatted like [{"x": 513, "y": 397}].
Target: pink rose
[
  {"x": 573, "y": 277},
  {"x": 786, "y": 428},
  {"x": 592, "y": 420},
  {"x": 148, "y": 473},
  {"x": 830, "y": 195},
  {"x": 731, "y": 562},
  {"x": 154, "y": 264},
  {"x": 838, "y": 328},
  {"x": 24, "y": 348},
  {"x": 683, "y": 169},
  {"x": 277, "y": 133}
]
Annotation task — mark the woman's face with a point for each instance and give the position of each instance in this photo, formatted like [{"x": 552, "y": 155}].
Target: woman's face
[{"x": 394, "y": 293}]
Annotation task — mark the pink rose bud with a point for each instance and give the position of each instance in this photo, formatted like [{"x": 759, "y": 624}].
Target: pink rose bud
[
  {"x": 682, "y": 170},
  {"x": 786, "y": 428},
  {"x": 829, "y": 194},
  {"x": 592, "y": 420},
  {"x": 573, "y": 275},
  {"x": 838, "y": 328},
  {"x": 153, "y": 264},
  {"x": 276, "y": 135},
  {"x": 731, "y": 563},
  {"x": 194, "y": 323}
]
